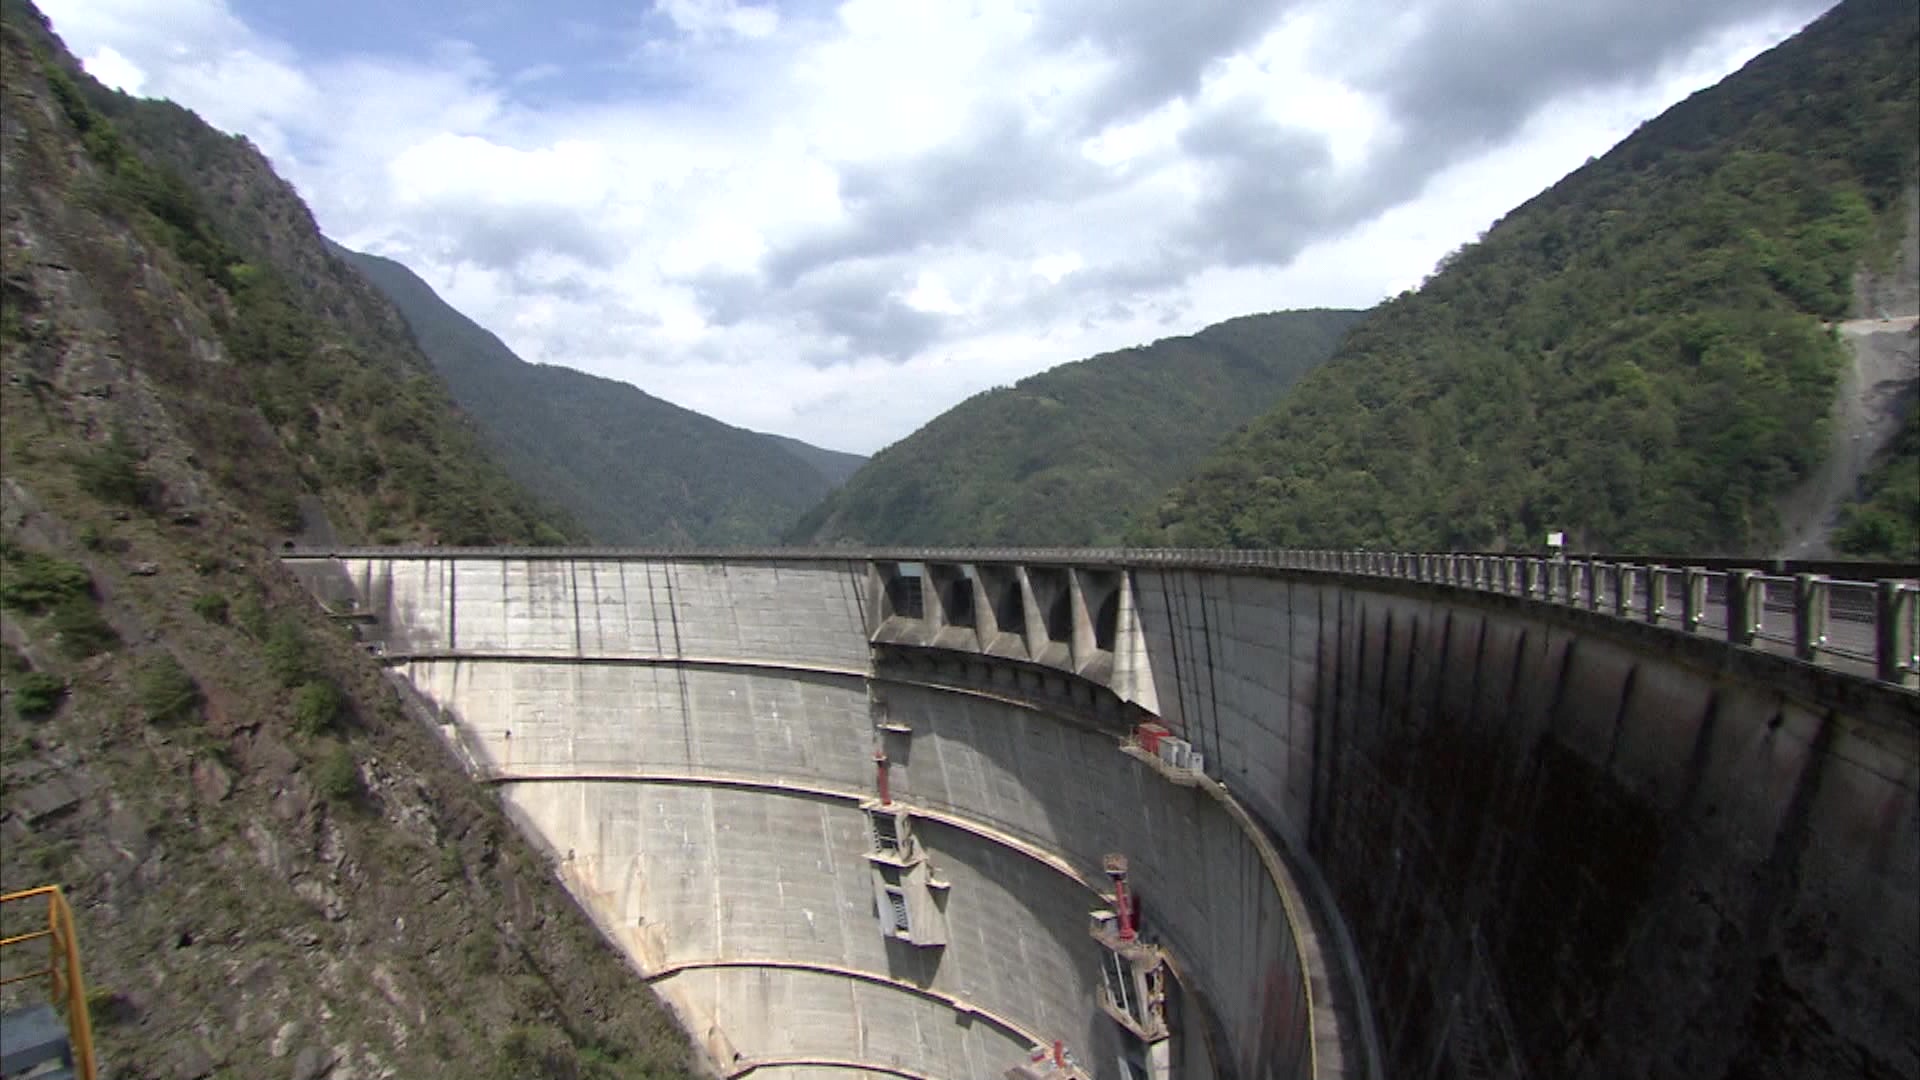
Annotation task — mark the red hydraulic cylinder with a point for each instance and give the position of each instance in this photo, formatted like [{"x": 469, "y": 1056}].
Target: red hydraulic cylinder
[{"x": 1116, "y": 866}]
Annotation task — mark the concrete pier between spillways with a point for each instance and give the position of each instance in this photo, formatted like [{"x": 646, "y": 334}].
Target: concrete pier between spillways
[{"x": 1404, "y": 830}]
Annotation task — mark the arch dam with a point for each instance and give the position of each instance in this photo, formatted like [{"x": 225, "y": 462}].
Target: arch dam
[{"x": 965, "y": 814}]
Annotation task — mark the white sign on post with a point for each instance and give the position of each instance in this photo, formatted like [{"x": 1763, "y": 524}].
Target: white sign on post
[{"x": 1556, "y": 539}]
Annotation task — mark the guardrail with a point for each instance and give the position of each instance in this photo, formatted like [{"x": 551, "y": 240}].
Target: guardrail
[
  {"x": 1869, "y": 628},
  {"x": 1863, "y": 626}
]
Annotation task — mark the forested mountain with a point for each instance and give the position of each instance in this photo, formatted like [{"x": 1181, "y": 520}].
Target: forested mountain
[
  {"x": 276, "y": 869},
  {"x": 632, "y": 468},
  {"x": 1065, "y": 456},
  {"x": 835, "y": 465},
  {"x": 1641, "y": 355}
]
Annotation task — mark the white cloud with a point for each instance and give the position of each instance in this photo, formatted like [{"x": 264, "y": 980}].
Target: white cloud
[
  {"x": 1054, "y": 267},
  {"x": 835, "y": 225},
  {"x": 929, "y": 294},
  {"x": 704, "y": 17},
  {"x": 471, "y": 168},
  {"x": 107, "y": 65}
]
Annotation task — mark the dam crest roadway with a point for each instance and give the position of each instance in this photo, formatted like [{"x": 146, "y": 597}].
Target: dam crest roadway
[{"x": 968, "y": 813}]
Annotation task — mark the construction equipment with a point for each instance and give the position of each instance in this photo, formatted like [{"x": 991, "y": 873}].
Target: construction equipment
[{"x": 35, "y": 1041}]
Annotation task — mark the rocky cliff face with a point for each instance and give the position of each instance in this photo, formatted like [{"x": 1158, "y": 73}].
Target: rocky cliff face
[{"x": 275, "y": 869}]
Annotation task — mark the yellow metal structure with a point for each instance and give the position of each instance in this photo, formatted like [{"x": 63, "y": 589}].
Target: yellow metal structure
[{"x": 62, "y": 971}]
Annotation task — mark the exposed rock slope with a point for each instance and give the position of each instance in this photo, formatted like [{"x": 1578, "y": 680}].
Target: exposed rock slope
[{"x": 1865, "y": 498}]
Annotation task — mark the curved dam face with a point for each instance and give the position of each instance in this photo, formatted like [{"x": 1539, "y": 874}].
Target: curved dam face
[{"x": 859, "y": 817}]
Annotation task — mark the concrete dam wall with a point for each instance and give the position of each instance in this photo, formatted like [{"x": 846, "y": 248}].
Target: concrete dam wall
[{"x": 855, "y": 816}]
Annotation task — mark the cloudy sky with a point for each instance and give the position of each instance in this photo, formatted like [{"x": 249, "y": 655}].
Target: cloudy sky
[{"x": 835, "y": 220}]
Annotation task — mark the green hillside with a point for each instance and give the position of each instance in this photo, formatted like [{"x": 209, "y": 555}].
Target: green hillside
[
  {"x": 632, "y": 468},
  {"x": 1884, "y": 520},
  {"x": 1639, "y": 356},
  {"x": 1065, "y": 456},
  {"x": 276, "y": 868},
  {"x": 836, "y": 465}
]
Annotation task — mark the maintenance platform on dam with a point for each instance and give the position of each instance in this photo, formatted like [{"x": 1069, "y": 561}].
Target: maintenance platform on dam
[{"x": 1148, "y": 814}]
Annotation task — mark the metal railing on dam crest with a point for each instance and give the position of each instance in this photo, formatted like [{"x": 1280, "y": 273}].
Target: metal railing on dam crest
[{"x": 1867, "y": 624}]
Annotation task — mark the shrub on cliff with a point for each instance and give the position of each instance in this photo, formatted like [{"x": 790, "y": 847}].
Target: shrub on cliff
[{"x": 165, "y": 692}]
